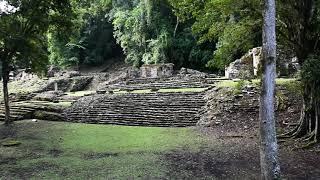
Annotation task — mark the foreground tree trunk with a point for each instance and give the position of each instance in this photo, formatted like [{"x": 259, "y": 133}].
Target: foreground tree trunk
[
  {"x": 5, "y": 80},
  {"x": 270, "y": 168}
]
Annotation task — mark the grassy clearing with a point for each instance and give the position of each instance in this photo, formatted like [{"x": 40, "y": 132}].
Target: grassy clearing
[
  {"x": 80, "y": 93},
  {"x": 55, "y": 150},
  {"x": 233, "y": 84},
  {"x": 227, "y": 83}
]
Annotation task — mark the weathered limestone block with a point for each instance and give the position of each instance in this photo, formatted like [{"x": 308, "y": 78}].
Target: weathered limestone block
[
  {"x": 246, "y": 67},
  {"x": 185, "y": 71},
  {"x": 256, "y": 55},
  {"x": 52, "y": 71},
  {"x": 72, "y": 74},
  {"x": 156, "y": 70},
  {"x": 48, "y": 96},
  {"x": 239, "y": 70},
  {"x": 48, "y": 116},
  {"x": 80, "y": 83}
]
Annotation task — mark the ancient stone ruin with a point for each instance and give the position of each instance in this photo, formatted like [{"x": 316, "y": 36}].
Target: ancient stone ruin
[
  {"x": 246, "y": 67},
  {"x": 150, "y": 109},
  {"x": 156, "y": 70}
]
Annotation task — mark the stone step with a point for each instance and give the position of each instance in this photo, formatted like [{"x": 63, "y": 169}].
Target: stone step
[
  {"x": 147, "y": 107},
  {"x": 2, "y": 111},
  {"x": 144, "y": 111},
  {"x": 153, "y": 109},
  {"x": 136, "y": 118},
  {"x": 145, "y": 124},
  {"x": 154, "y": 124}
]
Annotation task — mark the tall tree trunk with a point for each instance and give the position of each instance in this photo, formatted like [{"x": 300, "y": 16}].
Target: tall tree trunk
[
  {"x": 5, "y": 80},
  {"x": 309, "y": 126},
  {"x": 270, "y": 168}
]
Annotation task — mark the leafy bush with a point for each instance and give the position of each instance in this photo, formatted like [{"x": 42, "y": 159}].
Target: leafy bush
[{"x": 310, "y": 76}]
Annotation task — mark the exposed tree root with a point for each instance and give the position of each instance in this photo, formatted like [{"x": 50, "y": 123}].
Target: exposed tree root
[{"x": 308, "y": 129}]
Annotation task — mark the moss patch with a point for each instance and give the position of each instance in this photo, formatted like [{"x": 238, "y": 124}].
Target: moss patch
[{"x": 10, "y": 142}]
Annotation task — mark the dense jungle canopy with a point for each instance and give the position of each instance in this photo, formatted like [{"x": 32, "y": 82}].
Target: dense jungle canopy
[{"x": 204, "y": 35}]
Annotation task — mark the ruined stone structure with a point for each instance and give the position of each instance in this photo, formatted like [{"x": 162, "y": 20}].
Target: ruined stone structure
[
  {"x": 289, "y": 68},
  {"x": 156, "y": 70},
  {"x": 151, "y": 109},
  {"x": 246, "y": 67},
  {"x": 22, "y": 74}
]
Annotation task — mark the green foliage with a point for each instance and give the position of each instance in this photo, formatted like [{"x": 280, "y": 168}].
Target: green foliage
[
  {"x": 186, "y": 52},
  {"x": 298, "y": 24},
  {"x": 240, "y": 85},
  {"x": 91, "y": 39},
  {"x": 234, "y": 26},
  {"x": 142, "y": 30},
  {"x": 310, "y": 75},
  {"x": 23, "y": 33}
]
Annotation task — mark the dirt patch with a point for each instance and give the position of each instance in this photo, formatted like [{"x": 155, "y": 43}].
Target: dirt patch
[
  {"x": 236, "y": 157},
  {"x": 206, "y": 163},
  {"x": 8, "y": 161},
  {"x": 7, "y": 131},
  {"x": 55, "y": 152}
]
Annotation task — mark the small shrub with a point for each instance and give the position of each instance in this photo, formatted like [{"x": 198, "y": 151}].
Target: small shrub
[
  {"x": 240, "y": 85},
  {"x": 154, "y": 89}
]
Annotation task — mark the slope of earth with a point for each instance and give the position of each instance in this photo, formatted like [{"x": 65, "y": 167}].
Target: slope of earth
[{"x": 58, "y": 150}]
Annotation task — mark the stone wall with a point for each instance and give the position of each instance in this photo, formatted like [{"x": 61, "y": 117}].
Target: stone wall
[
  {"x": 156, "y": 70},
  {"x": 246, "y": 67}
]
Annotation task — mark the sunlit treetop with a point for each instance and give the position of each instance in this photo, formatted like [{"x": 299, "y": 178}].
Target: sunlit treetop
[{"x": 6, "y": 8}]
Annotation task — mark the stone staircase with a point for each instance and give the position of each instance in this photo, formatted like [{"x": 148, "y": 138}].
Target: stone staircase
[
  {"x": 151, "y": 109},
  {"x": 24, "y": 109},
  {"x": 160, "y": 83}
]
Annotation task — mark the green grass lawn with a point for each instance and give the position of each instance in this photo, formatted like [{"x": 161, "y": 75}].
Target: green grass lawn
[
  {"x": 56, "y": 150},
  {"x": 80, "y": 93},
  {"x": 233, "y": 84}
]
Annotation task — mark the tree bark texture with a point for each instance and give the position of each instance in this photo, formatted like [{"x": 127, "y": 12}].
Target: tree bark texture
[
  {"x": 270, "y": 168},
  {"x": 5, "y": 80}
]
